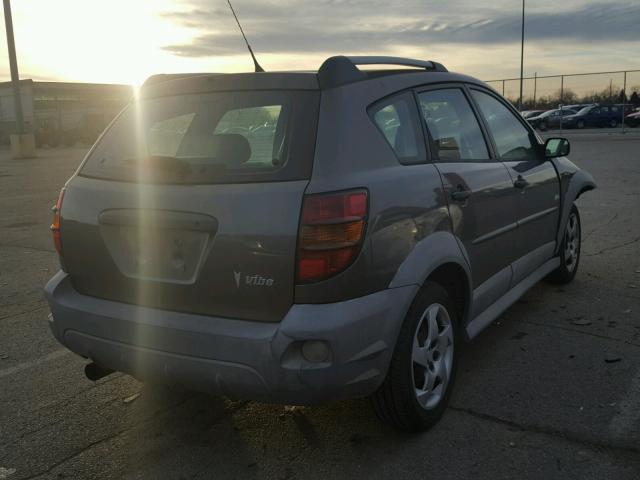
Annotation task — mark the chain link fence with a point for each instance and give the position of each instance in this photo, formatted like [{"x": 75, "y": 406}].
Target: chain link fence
[{"x": 617, "y": 92}]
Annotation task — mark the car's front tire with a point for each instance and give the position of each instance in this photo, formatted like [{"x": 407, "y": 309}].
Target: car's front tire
[
  {"x": 569, "y": 250},
  {"x": 580, "y": 124},
  {"x": 416, "y": 390}
]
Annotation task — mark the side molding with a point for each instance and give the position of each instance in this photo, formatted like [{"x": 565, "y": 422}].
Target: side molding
[{"x": 483, "y": 320}]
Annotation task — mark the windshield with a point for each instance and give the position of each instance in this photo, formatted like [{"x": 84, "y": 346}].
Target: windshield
[
  {"x": 584, "y": 110},
  {"x": 210, "y": 138}
]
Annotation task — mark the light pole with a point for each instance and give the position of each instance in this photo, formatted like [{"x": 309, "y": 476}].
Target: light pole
[
  {"x": 23, "y": 143},
  {"x": 521, "y": 59},
  {"x": 13, "y": 66}
]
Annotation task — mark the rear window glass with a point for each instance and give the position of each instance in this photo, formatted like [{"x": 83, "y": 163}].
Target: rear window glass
[
  {"x": 210, "y": 138},
  {"x": 397, "y": 120}
]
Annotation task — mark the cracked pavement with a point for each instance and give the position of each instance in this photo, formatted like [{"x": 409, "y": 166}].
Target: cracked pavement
[{"x": 550, "y": 390}]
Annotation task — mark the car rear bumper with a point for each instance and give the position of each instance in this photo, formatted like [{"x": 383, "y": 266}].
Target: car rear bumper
[{"x": 238, "y": 358}]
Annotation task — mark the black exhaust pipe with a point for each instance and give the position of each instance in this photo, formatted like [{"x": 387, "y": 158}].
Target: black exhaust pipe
[{"x": 95, "y": 372}]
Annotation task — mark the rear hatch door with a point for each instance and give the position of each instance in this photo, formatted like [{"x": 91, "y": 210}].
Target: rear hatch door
[{"x": 191, "y": 203}]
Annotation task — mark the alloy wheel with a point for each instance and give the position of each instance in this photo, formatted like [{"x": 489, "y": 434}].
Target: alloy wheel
[
  {"x": 432, "y": 356},
  {"x": 572, "y": 242}
]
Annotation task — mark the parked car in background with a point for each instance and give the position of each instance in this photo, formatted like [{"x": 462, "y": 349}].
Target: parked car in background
[
  {"x": 594, "y": 116},
  {"x": 233, "y": 233},
  {"x": 633, "y": 119},
  {"x": 531, "y": 113},
  {"x": 550, "y": 119},
  {"x": 579, "y": 106},
  {"x": 626, "y": 107}
]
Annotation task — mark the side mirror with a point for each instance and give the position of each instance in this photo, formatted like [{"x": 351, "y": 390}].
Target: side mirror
[{"x": 557, "y": 147}]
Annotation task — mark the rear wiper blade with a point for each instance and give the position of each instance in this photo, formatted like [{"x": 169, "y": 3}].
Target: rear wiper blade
[
  {"x": 163, "y": 163},
  {"x": 167, "y": 168}
]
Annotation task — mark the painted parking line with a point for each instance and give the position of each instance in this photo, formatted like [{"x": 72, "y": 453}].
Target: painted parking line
[{"x": 32, "y": 363}]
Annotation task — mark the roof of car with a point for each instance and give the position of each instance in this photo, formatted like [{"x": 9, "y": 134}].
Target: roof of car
[{"x": 334, "y": 72}]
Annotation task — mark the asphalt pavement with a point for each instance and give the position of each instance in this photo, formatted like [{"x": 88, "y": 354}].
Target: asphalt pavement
[{"x": 551, "y": 390}]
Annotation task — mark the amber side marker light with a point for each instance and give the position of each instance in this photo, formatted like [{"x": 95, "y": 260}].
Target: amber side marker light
[
  {"x": 55, "y": 224},
  {"x": 331, "y": 233}
]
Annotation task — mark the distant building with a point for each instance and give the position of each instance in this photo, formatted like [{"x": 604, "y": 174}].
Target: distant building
[{"x": 61, "y": 112}]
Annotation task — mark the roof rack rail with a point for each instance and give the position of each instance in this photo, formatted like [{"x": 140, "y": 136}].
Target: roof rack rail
[{"x": 340, "y": 70}]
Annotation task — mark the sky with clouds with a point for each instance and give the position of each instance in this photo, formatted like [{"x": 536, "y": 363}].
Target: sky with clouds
[{"x": 125, "y": 41}]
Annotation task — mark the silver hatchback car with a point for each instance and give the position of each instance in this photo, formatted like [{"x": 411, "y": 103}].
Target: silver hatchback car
[{"x": 305, "y": 237}]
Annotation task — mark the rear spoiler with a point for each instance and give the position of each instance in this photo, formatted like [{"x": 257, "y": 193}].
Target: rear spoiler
[
  {"x": 340, "y": 70},
  {"x": 166, "y": 77}
]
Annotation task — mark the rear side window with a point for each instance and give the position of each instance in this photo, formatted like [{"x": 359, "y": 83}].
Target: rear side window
[
  {"x": 512, "y": 139},
  {"x": 397, "y": 120},
  {"x": 210, "y": 138},
  {"x": 453, "y": 127}
]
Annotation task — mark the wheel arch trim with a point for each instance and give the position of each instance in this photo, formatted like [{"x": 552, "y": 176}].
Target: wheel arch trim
[
  {"x": 431, "y": 253},
  {"x": 573, "y": 185}
]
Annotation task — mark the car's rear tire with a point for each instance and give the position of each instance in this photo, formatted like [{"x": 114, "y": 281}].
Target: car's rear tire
[
  {"x": 580, "y": 124},
  {"x": 416, "y": 390},
  {"x": 569, "y": 250},
  {"x": 613, "y": 123},
  {"x": 542, "y": 126}
]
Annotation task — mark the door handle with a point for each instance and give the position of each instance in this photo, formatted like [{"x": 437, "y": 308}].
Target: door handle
[
  {"x": 460, "y": 194},
  {"x": 520, "y": 182}
]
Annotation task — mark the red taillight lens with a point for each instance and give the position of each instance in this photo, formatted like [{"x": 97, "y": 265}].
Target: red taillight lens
[
  {"x": 55, "y": 224},
  {"x": 331, "y": 233},
  {"x": 334, "y": 208}
]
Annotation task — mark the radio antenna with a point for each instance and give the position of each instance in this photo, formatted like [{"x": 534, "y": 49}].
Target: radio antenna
[{"x": 257, "y": 66}]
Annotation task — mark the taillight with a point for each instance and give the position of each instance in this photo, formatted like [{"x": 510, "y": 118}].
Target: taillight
[
  {"x": 331, "y": 232},
  {"x": 55, "y": 224}
]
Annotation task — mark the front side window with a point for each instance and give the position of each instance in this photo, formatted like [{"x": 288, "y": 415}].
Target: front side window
[
  {"x": 398, "y": 122},
  {"x": 512, "y": 139},
  {"x": 453, "y": 127}
]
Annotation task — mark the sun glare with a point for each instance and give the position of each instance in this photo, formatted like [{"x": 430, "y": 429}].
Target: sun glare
[{"x": 106, "y": 42}]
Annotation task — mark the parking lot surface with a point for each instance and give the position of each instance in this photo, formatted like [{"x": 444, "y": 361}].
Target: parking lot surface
[{"x": 551, "y": 390}]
